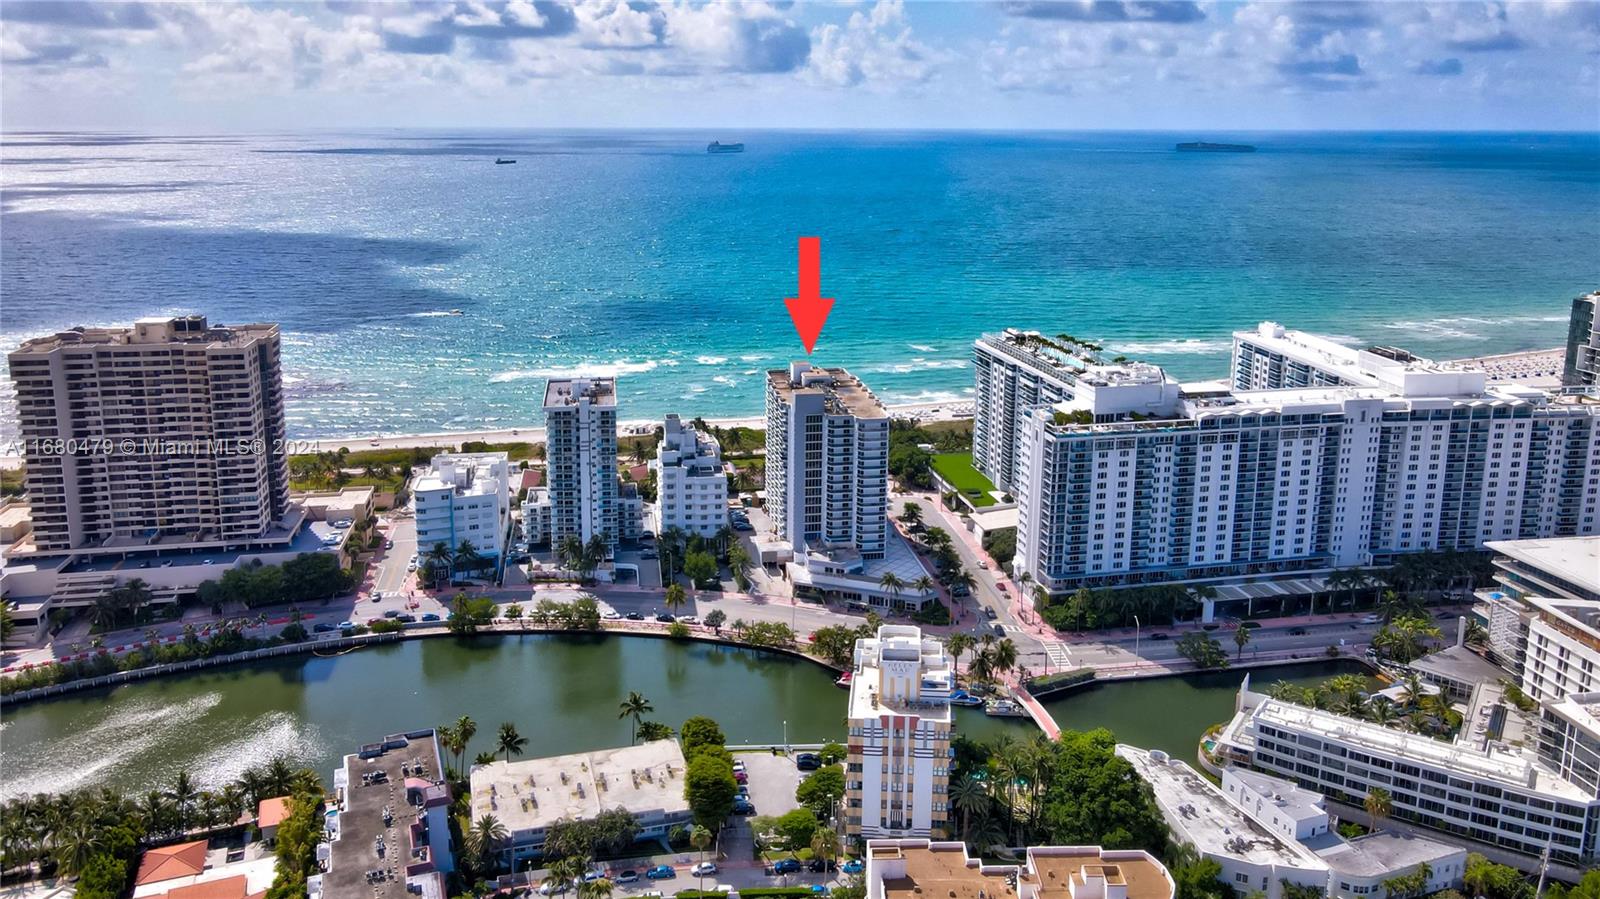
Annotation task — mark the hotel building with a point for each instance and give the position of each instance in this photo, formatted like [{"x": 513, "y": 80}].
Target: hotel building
[
  {"x": 172, "y": 428},
  {"x": 1014, "y": 371},
  {"x": 581, "y": 459},
  {"x": 922, "y": 869},
  {"x": 691, "y": 487},
  {"x": 899, "y": 722},
  {"x": 827, "y": 460},
  {"x": 465, "y": 496},
  {"x": 1582, "y": 366},
  {"x": 1140, "y": 480}
]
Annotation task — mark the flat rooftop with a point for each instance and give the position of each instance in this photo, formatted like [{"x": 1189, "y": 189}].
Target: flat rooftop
[
  {"x": 900, "y": 643},
  {"x": 1458, "y": 663},
  {"x": 1383, "y": 853},
  {"x": 844, "y": 393},
  {"x": 940, "y": 870},
  {"x": 1572, "y": 559},
  {"x": 559, "y": 392},
  {"x": 192, "y": 330},
  {"x": 391, "y": 776},
  {"x": 533, "y": 794},
  {"x": 1057, "y": 355},
  {"x": 1287, "y": 795},
  {"x": 1197, "y": 808},
  {"x": 1056, "y": 870}
]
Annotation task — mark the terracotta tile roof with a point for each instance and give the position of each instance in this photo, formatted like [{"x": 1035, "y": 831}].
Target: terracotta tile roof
[
  {"x": 532, "y": 478},
  {"x": 226, "y": 888},
  {"x": 272, "y": 811},
  {"x": 167, "y": 862}
]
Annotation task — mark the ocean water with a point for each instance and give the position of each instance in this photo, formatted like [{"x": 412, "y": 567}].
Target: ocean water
[{"x": 636, "y": 254}]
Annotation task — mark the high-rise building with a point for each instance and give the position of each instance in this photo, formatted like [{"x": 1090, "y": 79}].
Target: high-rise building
[
  {"x": 1138, "y": 480},
  {"x": 1014, "y": 371},
  {"x": 899, "y": 735},
  {"x": 1273, "y": 357},
  {"x": 171, "y": 430},
  {"x": 827, "y": 460},
  {"x": 1582, "y": 368},
  {"x": 465, "y": 497},
  {"x": 581, "y": 459},
  {"x": 691, "y": 487}
]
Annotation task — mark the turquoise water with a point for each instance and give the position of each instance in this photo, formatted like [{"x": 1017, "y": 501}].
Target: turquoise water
[{"x": 637, "y": 254}]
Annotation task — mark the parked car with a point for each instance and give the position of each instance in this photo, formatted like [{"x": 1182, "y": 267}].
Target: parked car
[
  {"x": 661, "y": 872},
  {"x": 1158, "y": 636},
  {"x": 704, "y": 868},
  {"x": 552, "y": 887},
  {"x": 430, "y": 616},
  {"x": 744, "y": 808},
  {"x": 1249, "y": 625},
  {"x": 346, "y": 625},
  {"x": 786, "y": 866},
  {"x": 807, "y": 761},
  {"x": 610, "y": 614},
  {"x": 407, "y": 617},
  {"x": 817, "y": 866},
  {"x": 1371, "y": 619},
  {"x": 1297, "y": 632},
  {"x": 664, "y": 618},
  {"x": 741, "y": 776},
  {"x": 649, "y": 554},
  {"x": 388, "y": 544},
  {"x": 628, "y": 876},
  {"x": 853, "y": 866},
  {"x": 324, "y": 627},
  {"x": 392, "y": 613},
  {"x": 634, "y": 616}
]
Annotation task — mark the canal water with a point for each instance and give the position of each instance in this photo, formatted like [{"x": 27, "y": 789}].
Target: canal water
[{"x": 561, "y": 692}]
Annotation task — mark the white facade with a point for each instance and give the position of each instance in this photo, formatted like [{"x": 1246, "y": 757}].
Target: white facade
[
  {"x": 1582, "y": 363},
  {"x": 1014, "y": 371},
  {"x": 536, "y": 516},
  {"x": 465, "y": 496},
  {"x": 899, "y": 724},
  {"x": 1272, "y": 357},
  {"x": 827, "y": 461},
  {"x": 581, "y": 459},
  {"x": 691, "y": 487},
  {"x": 1270, "y": 482}
]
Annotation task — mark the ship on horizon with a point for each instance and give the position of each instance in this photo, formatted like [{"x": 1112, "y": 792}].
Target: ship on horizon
[
  {"x": 1201, "y": 146},
  {"x": 718, "y": 147}
]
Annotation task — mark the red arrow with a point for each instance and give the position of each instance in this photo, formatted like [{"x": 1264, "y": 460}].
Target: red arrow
[{"x": 809, "y": 310}]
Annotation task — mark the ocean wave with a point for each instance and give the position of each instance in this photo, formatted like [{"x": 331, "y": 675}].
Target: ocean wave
[
  {"x": 924, "y": 396},
  {"x": 917, "y": 364},
  {"x": 434, "y": 314},
  {"x": 920, "y": 347},
  {"x": 726, "y": 379},
  {"x": 1466, "y": 327},
  {"x": 711, "y": 360},
  {"x": 1190, "y": 346},
  {"x": 751, "y": 357},
  {"x": 581, "y": 370}
]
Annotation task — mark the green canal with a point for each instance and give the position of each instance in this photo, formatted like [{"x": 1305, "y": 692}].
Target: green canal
[{"x": 562, "y": 693}]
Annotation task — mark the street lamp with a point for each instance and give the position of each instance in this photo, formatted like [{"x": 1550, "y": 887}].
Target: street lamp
[{"x": 1136, "y": 635}]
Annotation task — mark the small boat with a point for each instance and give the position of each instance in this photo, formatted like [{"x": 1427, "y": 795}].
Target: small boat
[
  {"x": 716, "y": 147},
  {"x": 844, "y": 680},
  {"x": 1004, "y": 708},
  {"x": 962, "y": 697},
  {"x": 457, "y": 312},
  {"x": 501, "y": 160}
]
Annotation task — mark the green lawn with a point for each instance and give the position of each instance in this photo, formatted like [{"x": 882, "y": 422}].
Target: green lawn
[{"x": 956, "y": 468}]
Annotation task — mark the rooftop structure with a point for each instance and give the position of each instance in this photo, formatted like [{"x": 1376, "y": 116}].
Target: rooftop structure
[
  {"x": 899, "y": 710},
  {"x": 1581, "y": 366},
  {"x": 465, "y": 497},
  {"x": 391, "y": 824},
  {"x": 529, "y": 796},
  {"x": 1564, "y": 567},
  {"x": 1014, "y": 371},
  {"x": 691, "y": 487},
  {"x": 171, "y": 427},
  {"x": 581, "y": 459},
  {"x": 194, "y": 870},
  {"x": 1456, "y": 670},
  {"x": 1272, "y": 357},
  {"x": 919, "y": 868}
]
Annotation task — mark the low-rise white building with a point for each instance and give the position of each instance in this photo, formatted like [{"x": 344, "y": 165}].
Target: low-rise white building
[
  {"x": 530, "y": 796},
  {"x": 691, "y": 487},
  {"x": 465, "y": 497}
]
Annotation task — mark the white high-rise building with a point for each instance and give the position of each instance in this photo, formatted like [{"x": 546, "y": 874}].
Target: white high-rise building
[
  {"x": 465, "y": 497},
  {"x": 167, "y": 432},
  {"x": 691, "y": 487},
  {"x": 827, "y": 461},
  {"x": 1136, "y": 480},
  {"x": 581, "y": 459},
  {"x": 1272, "y": 357},
  {"x": 899, "y": 724},
  {"x": 1014, "y": 371}
]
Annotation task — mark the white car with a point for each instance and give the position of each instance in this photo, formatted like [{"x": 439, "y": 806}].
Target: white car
[
  {"x": 611, "y": 614},
  {"x": 703, "y": 869}
]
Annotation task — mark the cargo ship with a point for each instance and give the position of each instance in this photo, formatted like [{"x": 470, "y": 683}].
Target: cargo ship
[
  {"x": 1201, "y": 146},
  {"x": 715, "y": 147}
]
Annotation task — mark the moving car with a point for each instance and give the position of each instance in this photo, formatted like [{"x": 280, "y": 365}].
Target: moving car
[
  {"x": 324, "y": 627},
  {"x": 704, "y": 868},
  {"x": 661, "y": 872},
  {"x": 1159, "y": 636},
  {"x": 990, "y": 613},
  {"x": 1371, "y": 619},
  {"x": 1297, "y": 632}
]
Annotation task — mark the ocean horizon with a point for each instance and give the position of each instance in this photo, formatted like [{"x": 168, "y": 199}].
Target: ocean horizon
[{"x": 636, "y": 254}]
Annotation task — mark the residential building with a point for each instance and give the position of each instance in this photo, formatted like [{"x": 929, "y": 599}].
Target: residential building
[
  {"x": 1014, "y": 371},
  {"x": 1274, "y": 358},
  {"x": 1563, "y": 568},
  {"x": 691, "y": 487},
  {"x": 1264, "y": 831},
  {"x": 1582, "y": 364},
  {"x": 465, "y": 497},
  {"x": 390, "y": 810},
  {"x": 899, "y": 722},
  {"x": 920, "y": 868},
  {"x": 172, "y": 429},
  {"x": 581, "y": 459},
  {"x": 827, "y": 460},
  {"x": 536, "y": 513},
  {"x": 1487, "y": 785},
  {"x": 530, "y": 796},
  {"x": 270, "y": 813},
  {"x": 1139, "y": 480}
]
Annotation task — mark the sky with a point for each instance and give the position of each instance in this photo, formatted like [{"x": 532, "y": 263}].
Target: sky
[{"x": 1004, "y": 65}]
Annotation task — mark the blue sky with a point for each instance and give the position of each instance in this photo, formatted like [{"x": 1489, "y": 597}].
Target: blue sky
[{"x": 1009, "y": 64}]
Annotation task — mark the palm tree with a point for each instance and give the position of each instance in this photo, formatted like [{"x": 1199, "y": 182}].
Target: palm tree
[
  {"x": 465, "y": 729},
  {"x": 963, "y": 578},
  {"x": 968, "y": 796},
  {"x": 675, "y": 598},
  {"x": 571, "y": 552},
  {"x": 483, "y": 758},
  {"x": 183, "y": 794},
  {"x": 509, "y": 741},
  {"x": 1381, "y": 710},
  {"x": 924, "y": 585},
  {"x": 77, "y": 840},
  {"x": 700, "y": 838},
  {"x": 739, "y": 565},
  {"x": 467, "y": 557},
  {"x": 438, "y": 560},
  {"x": 599, "y": 888},
  {"x": 1378, "y": 805},
  {"x": 892, "y": 584},
  {"x": 103, "y": 614},
  {"x": 725, "y": 537},
  {"x": 594, "y": 554},
  {"x": 1005, "y": 655},
  {"x": 1241, "y": 636},
  {"x": 635, "y": 706},
  {"x": 957, "y": 643},
  {"x": 484, "y": 839},
  {"x": 911, "y": 514}
]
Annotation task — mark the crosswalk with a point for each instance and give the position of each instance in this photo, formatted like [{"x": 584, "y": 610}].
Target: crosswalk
[{"x": 1056, "y": 652}]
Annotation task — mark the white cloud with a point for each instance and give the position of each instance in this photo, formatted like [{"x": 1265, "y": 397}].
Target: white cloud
[{"x": 874, "y": 48}]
